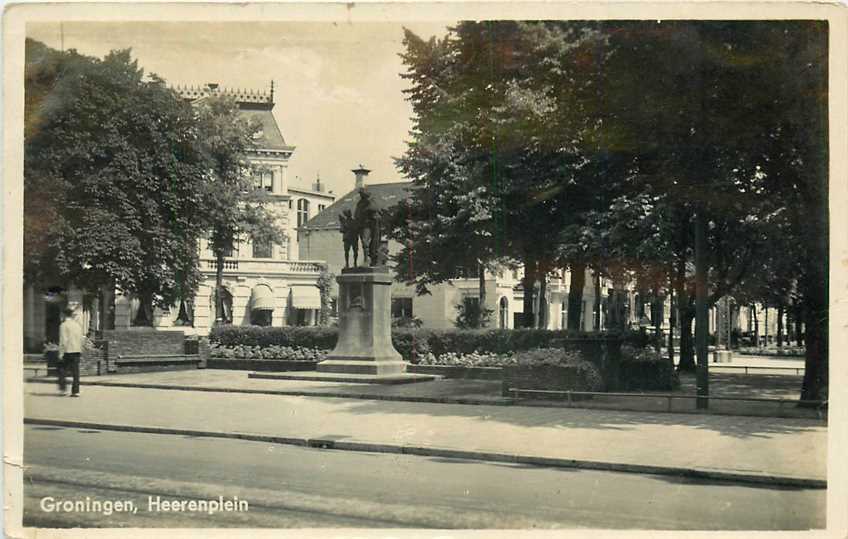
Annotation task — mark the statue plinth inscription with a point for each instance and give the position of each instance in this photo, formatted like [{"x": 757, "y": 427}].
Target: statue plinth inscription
[{"x": 365, "y": 322}]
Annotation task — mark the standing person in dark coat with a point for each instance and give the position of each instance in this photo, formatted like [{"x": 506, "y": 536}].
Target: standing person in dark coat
[{"x": 70, "y": 348}]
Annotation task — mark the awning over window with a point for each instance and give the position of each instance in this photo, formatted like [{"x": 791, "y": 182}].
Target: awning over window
[
  {"x": 262, "y": 299},
  {"x": 305, "y": 297}
]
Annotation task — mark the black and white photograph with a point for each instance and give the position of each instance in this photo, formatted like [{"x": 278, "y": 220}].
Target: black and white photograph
[{"x": 366, "y": 268}]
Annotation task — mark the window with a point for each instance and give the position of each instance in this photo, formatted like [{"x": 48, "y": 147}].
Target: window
[
  {"x": 290, "y": 203},
  {"x": 563, "y": 314},
  {"x": 503, "y": 313},
  {"x": 302, "y": 211},
  {"x": 264, "y": 180},
  {"x": 401, "y": 307},
  {"x": 321, "y": 207},
  {"x": 262, "y": 249}
]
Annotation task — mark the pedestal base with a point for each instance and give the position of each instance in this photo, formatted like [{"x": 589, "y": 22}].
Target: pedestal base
[
  {"x": 365, "y": 326},
  {"x": 345, "y": 378},
  {"x": 357, "y": 366}
]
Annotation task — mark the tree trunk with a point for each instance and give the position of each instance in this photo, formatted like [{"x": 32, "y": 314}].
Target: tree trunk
[
  {"x": 144, "y": 317},
  {"x": 219, "y": 282},
  {"x": 596, "y": 323},
  {"x": 481, "y": 275},
  {"x": 756, "y": 325},
  {"x": 575, "y": 296},
  {"x": 799, "y": 323},
  {"x": 542, "y": 318},
  {"x": 527, "y": 282},
  {"x": 701, "y": 308},
  {"x": 816, "y": 375},
  {"x": 766, "y": 324},
  {"x": 780, "y": 326},
  {"x": 687, "y": 344},
  {"x": 671, "y": 324},
  {"x": 656, "y": 315}
]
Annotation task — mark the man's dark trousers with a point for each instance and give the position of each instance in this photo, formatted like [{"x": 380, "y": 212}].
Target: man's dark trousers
[{"x": 69, "y": 362}]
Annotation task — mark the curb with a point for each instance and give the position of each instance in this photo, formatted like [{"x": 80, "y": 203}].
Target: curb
[
  {"x": 427, "y": 451},
  {"x": 501, "y": 401}
]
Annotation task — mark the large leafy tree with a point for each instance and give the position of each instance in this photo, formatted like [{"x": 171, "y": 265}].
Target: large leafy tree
[
  {"x": 497, "y": 150},
  {"x": 113, "y": 180}
]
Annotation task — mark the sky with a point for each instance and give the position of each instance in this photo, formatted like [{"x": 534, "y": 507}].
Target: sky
[{"x": 337, "y": 86}]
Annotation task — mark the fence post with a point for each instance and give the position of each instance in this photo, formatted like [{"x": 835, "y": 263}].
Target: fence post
[
  {"x": 568, "y": 393},
  {"x": 669, "y": 402}
]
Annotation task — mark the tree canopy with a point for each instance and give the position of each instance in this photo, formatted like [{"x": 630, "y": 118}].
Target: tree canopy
[{"x": 599, "y": 143}]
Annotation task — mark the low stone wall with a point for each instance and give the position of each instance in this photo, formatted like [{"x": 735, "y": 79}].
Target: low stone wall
[
  {"x": 149, "y": 349},
  {"x": 263, "y": 365},
  {"x": 467, "y": 373},
  {"x": 137, "y": 341},
  {"x": 543, "y": 377}
]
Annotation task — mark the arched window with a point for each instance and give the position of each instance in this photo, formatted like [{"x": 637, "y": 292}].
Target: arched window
[
  {"x": 302, "y": 211},
  {"x": 503, "y": 316}
]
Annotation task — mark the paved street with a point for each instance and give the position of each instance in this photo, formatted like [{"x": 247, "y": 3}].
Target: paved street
[
  {"x": 298, "y": 487},
  {"x": 794, "y": 448}
]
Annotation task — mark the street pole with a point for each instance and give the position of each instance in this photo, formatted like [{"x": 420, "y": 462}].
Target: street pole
[{"x": 701, "y": 314}]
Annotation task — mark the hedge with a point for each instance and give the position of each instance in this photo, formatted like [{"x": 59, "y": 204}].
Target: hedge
[
  {"x": 411, "y": 343},
  {"x": 647, "y": 375}
]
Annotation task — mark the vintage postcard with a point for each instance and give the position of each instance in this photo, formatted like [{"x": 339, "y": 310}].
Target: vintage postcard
[{"x": 424, "y": 270}]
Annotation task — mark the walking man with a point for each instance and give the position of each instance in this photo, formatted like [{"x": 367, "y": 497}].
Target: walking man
[{"x": 70, "y": 347}]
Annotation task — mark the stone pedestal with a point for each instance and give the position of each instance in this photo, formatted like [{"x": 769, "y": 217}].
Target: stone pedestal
[{"x": 365, "y": 325}]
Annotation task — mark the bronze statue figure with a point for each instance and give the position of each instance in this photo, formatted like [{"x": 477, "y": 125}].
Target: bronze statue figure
[
  {"x": 350, "y": 237},
  {"x": 367, "y": 218}
]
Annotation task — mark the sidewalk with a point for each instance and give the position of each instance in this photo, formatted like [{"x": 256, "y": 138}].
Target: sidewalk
[
  {"x": 457, "y": 391},
  {"x": 759, "y": 449}
]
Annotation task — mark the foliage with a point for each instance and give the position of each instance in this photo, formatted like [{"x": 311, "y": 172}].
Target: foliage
[
  {"x": 325, "y": 283},
  {"x": 113, "y": 179},
  {"x": 471, "y": 315},
  {"x": 292, "y": 336},
  {"x": 645, "y": 369},
  {"x": 410, "y": 322}
]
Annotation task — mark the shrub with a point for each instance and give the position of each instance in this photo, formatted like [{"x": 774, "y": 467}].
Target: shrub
[
  {"x": 547, "y": 356},
  {"x": 301, "y": 337},
  {"x": 646, "y": 369},
  {"x": 406, "y": 322},
  {"x": 413, "y": 344}
]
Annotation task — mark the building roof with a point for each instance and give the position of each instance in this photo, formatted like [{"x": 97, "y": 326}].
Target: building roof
[
  {"x": 255, "y": 105},
  {"x": 270, "y": 137},
  {"x": 383, "y": 195}
]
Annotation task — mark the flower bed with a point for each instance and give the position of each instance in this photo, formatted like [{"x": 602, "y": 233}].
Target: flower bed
[
  {"x": 272, "y": 352},
  {"x": 793, "y": 351}
]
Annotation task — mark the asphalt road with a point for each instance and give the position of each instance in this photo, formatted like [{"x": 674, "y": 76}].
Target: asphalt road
[{"x": 288, "y": 487}]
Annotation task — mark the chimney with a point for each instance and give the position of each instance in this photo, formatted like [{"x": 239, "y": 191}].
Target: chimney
[
  {"x": 361, "y": 173},
  {"x": 317, "y": 187}
]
